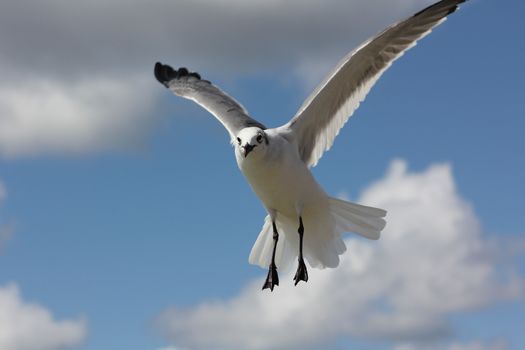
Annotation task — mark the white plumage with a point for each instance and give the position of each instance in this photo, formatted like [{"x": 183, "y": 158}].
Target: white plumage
[{"x": 276, "y": 161}]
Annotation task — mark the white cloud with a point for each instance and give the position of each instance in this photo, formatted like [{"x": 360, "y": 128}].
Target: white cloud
[
  {"x": 87, "y": 115},
  {"x": 27, "y": 326},
  {"x": 432, "y": 261},
  {"x": 78, "y": 78},
  {"x": 121, "y": 34}
]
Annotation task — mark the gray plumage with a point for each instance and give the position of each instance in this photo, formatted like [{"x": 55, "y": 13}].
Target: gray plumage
[{"x": 229, "y": 112}]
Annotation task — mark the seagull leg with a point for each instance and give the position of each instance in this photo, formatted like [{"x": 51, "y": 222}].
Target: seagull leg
[
  {"x": 302, "y": 273},
  {"x": 273, "y": 278}
]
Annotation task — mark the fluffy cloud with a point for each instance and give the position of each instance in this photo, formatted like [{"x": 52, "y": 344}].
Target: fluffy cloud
[
  {"x": 92, "y": 114},
  {"x": 432, "y": 261},
  {"x": 68, "y": 38},
  {"x": 76, "y": 77},
  {"x": 26, "y": 326}
]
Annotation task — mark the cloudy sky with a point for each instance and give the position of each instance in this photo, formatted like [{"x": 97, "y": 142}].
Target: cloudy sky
[{"x": 125, "y": 224}]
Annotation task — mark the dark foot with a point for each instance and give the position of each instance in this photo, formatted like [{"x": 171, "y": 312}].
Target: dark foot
[
  {"x": 273, "y": 279},
  {"x": 302, "y": 273}
]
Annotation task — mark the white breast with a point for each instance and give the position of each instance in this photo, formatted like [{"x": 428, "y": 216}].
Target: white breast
[{"x": 281, "y": 179}]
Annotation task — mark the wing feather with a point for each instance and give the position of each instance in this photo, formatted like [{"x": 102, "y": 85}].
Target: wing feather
[
  {"x": 229, "y": 112},
  {"x": 328, "y": 108}
]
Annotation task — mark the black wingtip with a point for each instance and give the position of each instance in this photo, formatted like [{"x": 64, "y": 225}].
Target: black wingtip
[
  {"x": 182, "y": 72},
  {"x": 195, "y": 75},
  {"x": 440, "y": 3},
  {"x": 165, "y": 73}
]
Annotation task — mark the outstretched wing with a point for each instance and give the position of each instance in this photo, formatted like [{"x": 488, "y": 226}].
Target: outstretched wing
[
  {"x": 333, "y": 102},
  {"x": 190, "y": 85}
]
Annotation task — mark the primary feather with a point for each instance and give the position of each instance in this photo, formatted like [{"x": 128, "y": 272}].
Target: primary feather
[
  {"x": 333, "y": 102},
  {"x": 229, "y": 112}
]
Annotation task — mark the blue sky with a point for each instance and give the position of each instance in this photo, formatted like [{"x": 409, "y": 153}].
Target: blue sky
[{"x": 123, "y": 215}]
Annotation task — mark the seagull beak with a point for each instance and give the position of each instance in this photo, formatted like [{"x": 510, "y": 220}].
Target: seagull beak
[{"x": 247, "y": 149}]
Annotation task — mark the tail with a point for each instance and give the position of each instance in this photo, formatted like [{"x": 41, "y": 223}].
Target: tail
[
  {"x": 322, "y": 243},
  {"x": 261, "y": 253},
  {"x": 350, "y": 217}
]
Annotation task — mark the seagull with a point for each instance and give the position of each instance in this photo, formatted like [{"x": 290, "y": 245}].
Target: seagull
[{"x": 303, "y": 222}]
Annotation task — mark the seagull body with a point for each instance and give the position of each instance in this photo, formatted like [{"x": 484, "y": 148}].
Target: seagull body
[
  {"x": 303, "y": 221},
  {"x": 279, "y": 177}
]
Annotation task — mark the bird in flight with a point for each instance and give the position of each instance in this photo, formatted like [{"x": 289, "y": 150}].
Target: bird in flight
[{"x": 303, "y": 222}]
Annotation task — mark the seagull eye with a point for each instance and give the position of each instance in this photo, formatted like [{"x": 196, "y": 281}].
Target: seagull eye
[
  {"x": 259, "y": 138},
  {"x": 238, "y": 140}
]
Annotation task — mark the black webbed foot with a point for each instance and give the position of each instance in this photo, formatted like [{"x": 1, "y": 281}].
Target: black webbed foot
[
  {"x": 302, "y": 273},
  {"x": 273, "y": 278}
]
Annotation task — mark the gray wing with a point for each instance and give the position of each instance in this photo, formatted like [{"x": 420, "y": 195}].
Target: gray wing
[
  {"x": 329, "y": 107},
  {"x": 190, "y": 85}
]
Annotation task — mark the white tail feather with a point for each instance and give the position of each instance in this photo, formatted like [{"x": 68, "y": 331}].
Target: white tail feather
[
  {"x": 365, "y": 221},
  {"x": 322, "y": 238},
  {"x": 261, "y": 253}
]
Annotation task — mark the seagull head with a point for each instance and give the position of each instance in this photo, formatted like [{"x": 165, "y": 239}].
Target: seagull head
[{"x": 251, "y": 140}]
